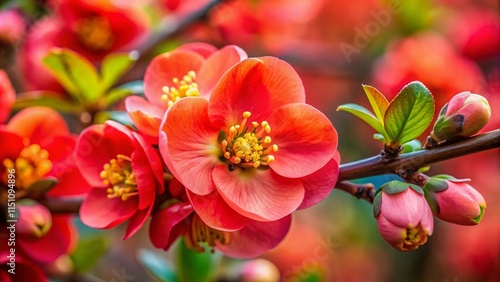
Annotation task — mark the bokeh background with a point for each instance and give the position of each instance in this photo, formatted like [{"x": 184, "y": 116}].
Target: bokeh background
[{"x": 335, "y": 46}]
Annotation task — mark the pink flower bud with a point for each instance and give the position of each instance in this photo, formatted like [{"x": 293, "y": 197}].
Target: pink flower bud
[
  {"x": 455, "y": 201},
  {"x": 464, "y": 115},
  {"x": 12, "y": 26},
  {"x": 259, "y": 270},
  {"x": 34, "y": 220},
  {"x": 403, "y": 216}
]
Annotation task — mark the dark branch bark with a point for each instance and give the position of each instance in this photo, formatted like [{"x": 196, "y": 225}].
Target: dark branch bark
[{"x": 413, "y": 161}]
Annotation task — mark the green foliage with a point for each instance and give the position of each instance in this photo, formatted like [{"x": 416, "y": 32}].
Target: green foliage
[
  {"x": 156, "y": 266},
  {"x": 412, "y": 146},
  {"x": 46, "y": 99},
  {"x": 399, "y": 121},
  {"x": 88, "y": 251},
  {"x": 409, "y": 114},
  {"x": 193, "y": 266}
]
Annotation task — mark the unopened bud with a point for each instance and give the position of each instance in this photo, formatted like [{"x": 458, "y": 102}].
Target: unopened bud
[
  {"x": 259, "y": 270},
  {"x": 403, "y": 216},
  {"x": 455, "y": 201},
  {"x": 464, "y": 115},
  {"x": 34, "y": 220}
]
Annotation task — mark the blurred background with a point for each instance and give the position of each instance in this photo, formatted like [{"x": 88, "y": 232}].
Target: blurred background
[{"x": 335, "y": 46}]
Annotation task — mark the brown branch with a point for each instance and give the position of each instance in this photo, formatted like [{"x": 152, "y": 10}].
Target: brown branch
[
  {"x": 411, "y": 162},
  {"x": 62, "y": 205},
  {"x": 171, "y": 27},
  {"x": 360, "y": 191}
]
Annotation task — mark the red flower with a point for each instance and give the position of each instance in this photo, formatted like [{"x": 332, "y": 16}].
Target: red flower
[
  {"x": 7, "y": 96},
  {"x": 90, "y": 28},
  {"x": 190, "y": 70},
  {"x": 125, "y": 173},
  {"x": 235, "y": 168},
  {"x": 179, "y": 219}
]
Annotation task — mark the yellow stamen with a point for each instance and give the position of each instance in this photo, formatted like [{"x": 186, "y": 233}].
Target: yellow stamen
[
  {"x": 200, "y": 233},
  {"x": 248, "y": 148},
  {"x": 31, "y": 165},
  {"x": 414, "y": 237},
  {"x": 119, "y": 175},
  {"x": 187, "y": 87},
  {"x": 95, "y": 33}
]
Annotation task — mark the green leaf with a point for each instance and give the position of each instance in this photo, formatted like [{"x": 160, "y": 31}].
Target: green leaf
[
  {"x": 193, "y": 266},
  {"x": 409, "y": 114},
  {"x": 377, "y": 203},
  {"x": 363, "y": 114},
  {"x": 478, "y": 218},
  {"x": 431, "y": 199},
  {"x": 55, "y": 103},
  {"x": 156, "y": 266},
  {"x": 377, "y": 100},
  {"x": 42, "y": 186},
  {"x": 412, "y": 146},
  {"x": 123, "y": 91},
  {"x": 394, "y": 187},
  {"x": 75, "y": 73},
  {"x": 88, "y": 251},
  {"x": 379, "y": 137},
  {"x": 114, "y": 66}
]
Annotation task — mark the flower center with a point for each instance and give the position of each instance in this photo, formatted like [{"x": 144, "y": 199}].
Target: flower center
[
  {"x": 31, "y": 165},
  {"x": 95, "y": 33},
  {"x": 201, "y": 233},
  {"x": 187, "y": 87},
  {"x": 415, "y": 236},
  {"x": 119, "y": 176},
  {"x": 248, "y": 148}
]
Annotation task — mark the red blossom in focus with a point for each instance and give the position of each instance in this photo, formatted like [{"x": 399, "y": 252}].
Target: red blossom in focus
[
  {"x": 180, "y": 219},
  {"x": 125, "y": 173},
  {"x": 91, "y": 28},
  {"x": 188, "y": 71},
  {"x": 257, "y": 150}
]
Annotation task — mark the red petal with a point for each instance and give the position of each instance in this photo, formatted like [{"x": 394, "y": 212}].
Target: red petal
[
  {"x": 216, "y": 65},
  {"x": 319, "y": 184},
  {"x": 215, "y": 212},
  {"x": 305, "y": 137},
  {"x": 137, "y": 221},
  {"x": 256, "y": 238},
  {"x": 153, "y": 159},
  {"x": 11, "y": 144},
  {"x": 55, "y": 243},
  {"x": 201, "y": 48},
  {"x": 71, "y": 182},
  {"x": 258, "y": 85},
  {"x": 38, "y": 123},
  {"x": 60, "y": 149},
  {"x": 165, "y": 224},
  {"x": 145, "y": 179},
  {"x": 163, "y": 68},
  {"x": 146, "y": 116},
  {"x": 191, "y": 149},
  {"x": 404, "y": 209},
  {"x": 7, "y": 96},
  {"x": 98, "y": 211},
  {"x": 258, "y": 194},
  {"x": 97, "y": 145}
]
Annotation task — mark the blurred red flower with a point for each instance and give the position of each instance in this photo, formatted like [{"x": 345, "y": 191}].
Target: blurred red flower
[
  {"x": 7, "y": 96},
  {"x": 240, "y": 173},
  {"x": 125, "y": 173}
]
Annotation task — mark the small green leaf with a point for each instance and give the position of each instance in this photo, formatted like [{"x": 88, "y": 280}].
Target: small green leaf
[
  {"x": 114, "y": 66},
  {"x": 55, "y": 103},
  {"x": 412, "y": 146},
  {"x": 377, "y": 203},
  {"x": 478, "y": 218},
  {"x": 409, "y": 114},
  {"x": 115, "y": 95},
  {"x": 42, "y": 186},
  {"x": 431, "y": 199},
  {"x": 363, "y": 114},
  {"x": 379, "y": 137},
  {"x": 394, "y": 187},
  {"x": 193, "y": 266},
  {"x": 417, "y": 189},
  {"x": 88, "y": 251},
  {"x": 377, "y": 100},
  {"x": 451, "y": 178},
  {"x": 156, "y": 266},
  {"x": 75, "y": 73}
]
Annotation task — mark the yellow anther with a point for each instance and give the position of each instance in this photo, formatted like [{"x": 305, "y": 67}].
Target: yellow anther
[
  {"x": 267, "y": 140},
  {"x": 247, "y": 114},
  {"x": 275, "y": 148},
  {"x": 165, "y": 89},
  {"x": 270, "y": 158},
  {"x": 237, "y": 160},
  {"x": 256, "y": 164},
  {"x": 175, "y": 80},
  {"x": 118, "y": 174},
  {"x": 192, "y": 74},
  {"x": 255, "y": 124},
  {"x": 31, "y": 165},
  {"x": 164, "y": 97},
  {"x": 227, "y": 155}
]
